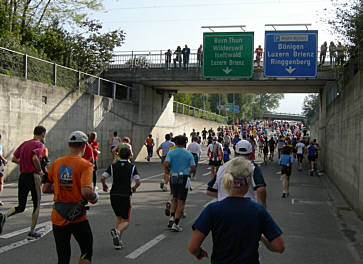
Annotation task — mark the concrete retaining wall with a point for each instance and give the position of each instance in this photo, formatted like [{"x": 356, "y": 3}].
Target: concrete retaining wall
[
  {"x": 26, "y": 104},
  {"x": 340, "y": 129}
]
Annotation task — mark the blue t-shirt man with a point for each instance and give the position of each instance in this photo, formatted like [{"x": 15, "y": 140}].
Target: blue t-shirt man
[
  {"x": 237, "y": 225},
  {"x": 180, "y": 160}
]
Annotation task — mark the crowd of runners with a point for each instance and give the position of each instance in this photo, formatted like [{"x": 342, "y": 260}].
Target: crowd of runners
[{"x": 235, "y": 154}]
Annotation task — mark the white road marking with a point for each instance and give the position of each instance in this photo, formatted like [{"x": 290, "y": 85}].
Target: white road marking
[
  {"x": 18, "y": 232},
  {"x": 212, "y": 201},
  {"x": 45, "y": 230},
  {"x": 147, "y": 246},
  {"x": 292, "y": 201},
  {"x": 205, "y": 174},
  {"x": 10, "y": 184}
]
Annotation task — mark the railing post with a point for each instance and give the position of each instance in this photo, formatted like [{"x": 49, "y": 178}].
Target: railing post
[
  {"x": 161, "y": 59},
  {"x": 79, "y": 80},
  {"x": 25, "y": 69},
  {"x": 98, "y": 86},
  {"x": 54, "y": 74},
  {"x": 132, "y": 59},
  {"x": 128, "y": 93},
  {"x": 113, "y": 91},
  {"x": 183, "y": 109}
]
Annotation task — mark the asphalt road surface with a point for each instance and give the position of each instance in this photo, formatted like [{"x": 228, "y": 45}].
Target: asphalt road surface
[{"x": 318, "y": 225}]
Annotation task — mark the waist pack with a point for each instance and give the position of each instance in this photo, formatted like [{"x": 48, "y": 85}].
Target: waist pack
[{"x": 71, "y": 211}]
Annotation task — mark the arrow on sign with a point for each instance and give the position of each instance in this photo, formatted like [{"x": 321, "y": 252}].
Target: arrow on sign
[
  {"x": 227, "y": 70},
  {"x": 290, "y": 70}
]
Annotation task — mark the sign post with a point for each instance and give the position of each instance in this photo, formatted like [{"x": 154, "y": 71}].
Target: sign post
[
  {"x": 228, "y": 55},
  {"x": 291, "y": 53}
]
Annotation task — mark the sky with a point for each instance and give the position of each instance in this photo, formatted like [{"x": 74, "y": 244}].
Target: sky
[{"x": 164, "y": 24}]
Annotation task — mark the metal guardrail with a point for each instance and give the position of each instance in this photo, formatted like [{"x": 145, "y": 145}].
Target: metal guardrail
[
  {"x": 157, "y": 59},
  {"x": 18, "y": 64},
  {"x": 197, "y": 112}
]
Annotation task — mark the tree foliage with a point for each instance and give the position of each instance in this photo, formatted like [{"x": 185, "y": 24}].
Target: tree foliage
[
  {"x": 58, "y": 30},
  {"x": 311, "y": 106},
  {"x": 347, "y": 22}
]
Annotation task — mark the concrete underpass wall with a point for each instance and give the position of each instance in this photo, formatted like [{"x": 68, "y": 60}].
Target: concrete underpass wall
[
  {"x": 26, "y": 104},
  {"x": 340, "y": 133}
]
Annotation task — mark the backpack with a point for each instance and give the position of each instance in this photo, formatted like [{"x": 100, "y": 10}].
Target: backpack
[
  {"x": 215, "y": 150},
  {"x": 312, "y": 151}
]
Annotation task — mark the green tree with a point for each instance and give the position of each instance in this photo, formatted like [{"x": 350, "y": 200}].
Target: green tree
[{"x": 311, "y": 106}]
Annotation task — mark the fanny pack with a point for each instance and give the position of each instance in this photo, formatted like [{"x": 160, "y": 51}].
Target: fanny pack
[{"x": 71, "y": 211}]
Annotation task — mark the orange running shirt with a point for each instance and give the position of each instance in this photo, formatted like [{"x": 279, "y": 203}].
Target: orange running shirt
[{"x": 68, "y": 174}]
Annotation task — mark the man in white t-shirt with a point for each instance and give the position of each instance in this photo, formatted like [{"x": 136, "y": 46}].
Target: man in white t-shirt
[
  {"x": 195, "y": 149},
  {"x": 301, "y": 149},
  {"x": 257, "y": 189}
]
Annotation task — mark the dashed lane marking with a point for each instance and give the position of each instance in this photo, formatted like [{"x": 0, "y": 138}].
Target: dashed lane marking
[
  {"x": 21, "y": 231},
  {"x": 205, "y": 174},
  {"x": 145, "y": 247},
  {"x": 154, "y": 176},
  {"x": 212, "y": 201},
  {"x": 45, "y": 230}
]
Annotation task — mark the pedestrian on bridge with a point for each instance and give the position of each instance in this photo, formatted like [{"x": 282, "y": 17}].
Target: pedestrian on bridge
[
  {"x": 332, "y": 53},
  {"x": 178, "y": 57},
  {"x": 237, "y": 223},
  {"x": 323, "y": 50},
  {"x": 186, "y": 54},
  {"x": 168, "y": 59},
  {"x": 200, "y": 56}
]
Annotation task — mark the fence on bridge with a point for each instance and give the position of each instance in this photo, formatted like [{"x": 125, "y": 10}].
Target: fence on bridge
[
  {"x": 184, "y": 109},
  {"x": 156, "y": 59},
  {"x": 21, "y": 65}
]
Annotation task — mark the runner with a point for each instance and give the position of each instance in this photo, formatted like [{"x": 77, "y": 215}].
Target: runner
[
  {"x": 265, "y": 150},
  {"x": 215, "y": 154},
  {"x": 70, "y": 179},
  {"x": 204, "y": 135},
  {"x": 312, "y": 152},
  {"x": 195, "y": 149},
  {"x": 123, "y": 174},
  {"x": 280, "y": 145},
  {"x": 125, "y": 143},
  {"x": 164, "y": 147},
  {"x": 181, "y": 164},
  {"x": 114, "y": 141},
  {"x": 3, "y": 163},
  {"x": 286, "y": 162},
  {"x": 300, "y": 150},
  {"x": 149, "y": 143},
  {"x": 272, "y": 145},
  {"x": 257, "y": 190},
  {"x": 95, "y": 145},
  {"x": 28, "y": 155}
]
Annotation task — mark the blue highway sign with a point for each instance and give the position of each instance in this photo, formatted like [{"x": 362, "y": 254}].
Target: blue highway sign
[{"x": 291, "y": 53}]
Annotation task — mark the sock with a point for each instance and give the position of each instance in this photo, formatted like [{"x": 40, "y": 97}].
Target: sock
[
  {"x": 172, "y": 214},
  {"x": 177, "y": 221}
]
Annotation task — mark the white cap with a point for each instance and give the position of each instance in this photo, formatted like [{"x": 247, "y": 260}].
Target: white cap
[
  {"x": 243, "y": 147},
  {"x": 77, "y": 137}
]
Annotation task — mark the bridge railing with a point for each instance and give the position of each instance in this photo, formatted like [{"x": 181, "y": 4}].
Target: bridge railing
[
  {"x": 157, "y": 59},
  {"x": 282, "y": 114},
  {"x": 184, "y": 109},
  {"x": 21, "y": 65}
]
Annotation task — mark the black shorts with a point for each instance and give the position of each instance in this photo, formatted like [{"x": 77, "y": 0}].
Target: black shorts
[
  {"x": 215, "y": 163},
  {"x": 178, "y": 189},
  {"x": 265, "y": 151},
  {"x": 121, "y": 206},
  {"x": 311, "y": 158},
  {"x": 286, "y": 170},
  {"x": 300, "y": 157}
]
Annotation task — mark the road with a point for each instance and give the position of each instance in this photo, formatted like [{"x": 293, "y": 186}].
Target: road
[{"x": 318, "y": 226}]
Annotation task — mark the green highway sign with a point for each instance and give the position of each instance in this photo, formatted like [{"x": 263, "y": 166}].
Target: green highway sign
[
  {"x": 228, "y": 54},
  {"x": 229, "y": 108}
]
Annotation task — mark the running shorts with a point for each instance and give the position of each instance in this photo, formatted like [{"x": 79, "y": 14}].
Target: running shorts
[
  {"x": 178, "y": 190},
  {"x": 311, "y": 158},
  {"x": 286, "y": 170},
  {"x": 215, "y": 163},
  {"x": 300, "y": 157},
  {"x": 121, "y": 206}
]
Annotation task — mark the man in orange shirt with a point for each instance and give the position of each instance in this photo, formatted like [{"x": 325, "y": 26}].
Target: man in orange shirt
[
  {"x": 70, "y": 179},
  {"x": 149, "y": 143}
]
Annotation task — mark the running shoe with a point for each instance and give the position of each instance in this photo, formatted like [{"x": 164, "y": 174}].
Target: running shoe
[
  {"x": 1, "y": 203},
  {"x": 171, "y": 222},
  {"x": 165, "y": 188},
  {"x": 32, "y": 235},
  {"x": 2, "y": 221},
  {"x": 167, "y": 208},
  {"x": 283, "y": 195},
  {"x": 176, "y": 228},
  {"x": 162, "y": 186},
  {"x": 115, "y": 239}
]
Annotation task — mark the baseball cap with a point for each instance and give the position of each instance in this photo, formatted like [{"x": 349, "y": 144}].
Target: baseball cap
[
  {"x": 215, "y": 138},
  {"x": 243, "y": 147},
  {"x": 77, "y": 137}
]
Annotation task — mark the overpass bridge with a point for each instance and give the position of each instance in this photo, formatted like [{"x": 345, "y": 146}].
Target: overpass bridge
[
  {"x": 283, "y": 116},
  {"x": 149, "y": 69}
]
